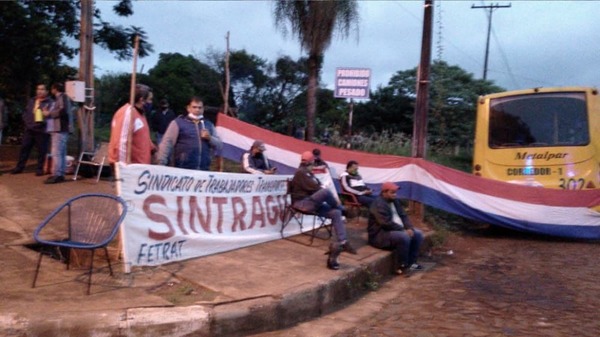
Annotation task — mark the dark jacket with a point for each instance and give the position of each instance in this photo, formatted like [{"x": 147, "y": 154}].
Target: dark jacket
[
  {"x": 59, "y": 119},
  {"x": 183, "y": 138},
  {"x": 160, "y": 121},
  {"x": 304, "y": 184},
  {"x": 29, "y": 117},
  {"x": 255, "y": 164},
  {"x": 380, "y": 218},
  {"x": 353, "y": 184}
]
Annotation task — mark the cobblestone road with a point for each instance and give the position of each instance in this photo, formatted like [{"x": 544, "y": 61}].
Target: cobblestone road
[
  {"x": 502, "y": 285},
  {"x": 496, "y": 283}
]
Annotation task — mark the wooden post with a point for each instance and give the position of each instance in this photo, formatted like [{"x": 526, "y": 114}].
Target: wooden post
[
  {"x": 225, "y": 94},
  {"x": 132, "y": 97},
  {"x": 85, "y": 113},
  {"x": 421, "y": 106},
  {"x": 226, "y": 90}
]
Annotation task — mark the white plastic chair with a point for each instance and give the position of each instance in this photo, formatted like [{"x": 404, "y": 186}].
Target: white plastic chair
[{"x": 98, "y": 159}]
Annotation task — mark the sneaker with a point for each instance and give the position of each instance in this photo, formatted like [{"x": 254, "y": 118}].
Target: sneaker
[
  {"x": 333, "y": 264},
  {"x": 403, "y": 271},
  {"x": 54, "y": 180},
  {"x": 334, "y": 251},
  {"x": 416, "y": 266},
  {"x": 39, "y": 173},
  {"x": 16, "y": 171}
]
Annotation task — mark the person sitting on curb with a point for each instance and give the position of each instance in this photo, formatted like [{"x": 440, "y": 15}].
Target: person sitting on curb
[
  {"x": 255, "y": 161},
  {"x": 390, "y": 228},
  {"x": 309, "y": 196},
  {"x": 353, "y": 183}
]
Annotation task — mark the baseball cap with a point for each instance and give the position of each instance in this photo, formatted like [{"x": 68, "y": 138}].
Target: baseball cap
[
  {"x": 259, "y": 144},
  {"x": 389, "y": 186}
]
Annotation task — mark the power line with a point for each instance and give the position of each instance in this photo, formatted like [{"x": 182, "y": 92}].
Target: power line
[
  {"x": 505, "y": 59},
  {"x": 487, "y": 45}
]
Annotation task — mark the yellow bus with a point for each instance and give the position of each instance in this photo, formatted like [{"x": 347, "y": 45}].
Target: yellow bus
[{"x": 546, "y": 137}]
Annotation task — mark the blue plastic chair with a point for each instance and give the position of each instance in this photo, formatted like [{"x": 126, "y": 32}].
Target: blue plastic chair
[{"x": 88, "y": 221}]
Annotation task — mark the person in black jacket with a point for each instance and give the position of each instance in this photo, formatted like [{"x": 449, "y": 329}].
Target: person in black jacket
[
  {"x": 35, "y": 131},
  {"x": 255, "y": 161},
  {"x": 308, "y": 195},
  {"x": 390, "y": 228},
  {"x": 353, "y": 183},
  {"x": 161, "y": 119}
]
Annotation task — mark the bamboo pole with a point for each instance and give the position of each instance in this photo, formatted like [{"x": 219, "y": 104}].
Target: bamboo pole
[{"x": 132, "y": 97}]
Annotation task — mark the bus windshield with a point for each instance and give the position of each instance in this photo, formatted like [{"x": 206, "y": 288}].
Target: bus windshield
[{"x": 539, "y": 120}]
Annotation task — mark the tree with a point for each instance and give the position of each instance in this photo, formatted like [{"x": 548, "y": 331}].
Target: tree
[
  {"x": 178, "y": 77},
  {"x": 34, "y": 38},
  {"x": 313, "y": 23},
  {"x": 248, "y": 73},
  {"x": 453, "y": 93},
  {"x": 388, "y": 109},
  {"x": 275, "y": 102},
  {"x": 31, "y": 36}
]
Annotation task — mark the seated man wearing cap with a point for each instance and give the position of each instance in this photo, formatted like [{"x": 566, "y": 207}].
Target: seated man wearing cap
[
  {"x": 390, "y": 228},
  {"x": 307, "y": 190},
  {"x": 255, "y": 161}
]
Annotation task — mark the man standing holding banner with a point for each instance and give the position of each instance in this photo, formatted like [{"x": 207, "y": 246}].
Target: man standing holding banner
[{"x": 132, "y": 119}]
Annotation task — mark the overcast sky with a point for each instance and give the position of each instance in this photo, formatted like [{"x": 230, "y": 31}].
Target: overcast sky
[{"x": 532, "y": 43}]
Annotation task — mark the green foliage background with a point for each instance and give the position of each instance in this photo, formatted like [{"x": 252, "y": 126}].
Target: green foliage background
[{"x": 269, "y": 93}]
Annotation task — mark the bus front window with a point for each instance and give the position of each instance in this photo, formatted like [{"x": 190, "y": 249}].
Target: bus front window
[{"x": 553, "y": 119}]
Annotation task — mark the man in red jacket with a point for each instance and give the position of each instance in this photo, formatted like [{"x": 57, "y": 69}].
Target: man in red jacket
[{"x": 131, "y": 120}]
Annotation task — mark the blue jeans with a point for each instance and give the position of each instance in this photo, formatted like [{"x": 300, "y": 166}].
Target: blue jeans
[
  {"x": 329, "y": 208},
  {"x": 405, "y": 248},
  {"x": 365, "y": 200},
  {"x": 58, "y": 151}
]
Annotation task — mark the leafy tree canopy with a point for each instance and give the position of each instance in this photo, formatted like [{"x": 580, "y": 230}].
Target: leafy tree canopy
[
  {"x": 38, "y": 36},
  {"x": 177, "y": 78}
]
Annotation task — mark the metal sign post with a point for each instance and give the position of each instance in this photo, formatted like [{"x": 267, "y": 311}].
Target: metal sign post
[{"x": 352, "y": 83}]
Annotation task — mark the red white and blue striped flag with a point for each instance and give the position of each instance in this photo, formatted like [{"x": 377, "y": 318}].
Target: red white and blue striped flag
[{"x": 546, "y": 211}]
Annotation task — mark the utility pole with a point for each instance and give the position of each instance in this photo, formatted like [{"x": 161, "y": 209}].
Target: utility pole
[
  {"x": 421, "y": 106},
  {"x": 86, "y": 74},
  {"x": 491, "y": 7},
  {"x": 420, "y": 120}
]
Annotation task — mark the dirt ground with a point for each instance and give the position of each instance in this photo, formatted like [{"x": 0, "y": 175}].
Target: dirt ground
[
  {"x": 484, "y": 281},
  {"x": 496, "y": 283}
]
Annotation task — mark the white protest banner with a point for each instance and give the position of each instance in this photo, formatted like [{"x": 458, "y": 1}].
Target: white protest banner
[{"x": 176, "y": 214}]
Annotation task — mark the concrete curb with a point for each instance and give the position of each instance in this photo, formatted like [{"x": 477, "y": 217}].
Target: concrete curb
[{"x": 240, "y": 318}]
